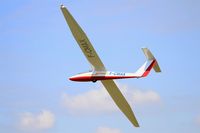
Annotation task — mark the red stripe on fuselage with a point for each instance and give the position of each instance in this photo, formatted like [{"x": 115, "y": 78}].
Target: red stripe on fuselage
[{"x": 149, "y": 68}]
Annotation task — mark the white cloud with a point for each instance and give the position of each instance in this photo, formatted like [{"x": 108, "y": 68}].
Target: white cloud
[
  {"x": 98, "y": 100},
  {"x": 29, "y": 121},
  {"x": 144, "y": 97},
  {"x": 107, "y": 130},
  {"x": 92, "y": 101}
]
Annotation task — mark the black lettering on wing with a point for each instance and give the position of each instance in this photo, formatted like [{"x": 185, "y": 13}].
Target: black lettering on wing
[{"x": 86, "y": 48}]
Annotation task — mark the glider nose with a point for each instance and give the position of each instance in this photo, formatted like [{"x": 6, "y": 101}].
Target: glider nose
[{"x": 73, "y": 78}]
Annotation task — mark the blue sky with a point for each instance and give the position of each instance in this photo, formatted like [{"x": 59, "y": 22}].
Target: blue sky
[{"x": 38, "y": 54}]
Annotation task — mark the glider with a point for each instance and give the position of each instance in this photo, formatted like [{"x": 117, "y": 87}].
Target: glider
[{"x": 99, "y": 71}]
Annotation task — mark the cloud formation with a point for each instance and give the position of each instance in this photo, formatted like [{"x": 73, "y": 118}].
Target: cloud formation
[
  {"x": 99, "y": 101},
  {"x": 44, "y": 120},
  {"x": 107, "y": 130},
  {"x": 91, "y": 101}
]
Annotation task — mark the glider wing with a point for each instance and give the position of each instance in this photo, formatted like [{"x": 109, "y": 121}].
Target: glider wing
[
  {"x": 120, "y": 101},
  {"x": 83, "y": 41}
]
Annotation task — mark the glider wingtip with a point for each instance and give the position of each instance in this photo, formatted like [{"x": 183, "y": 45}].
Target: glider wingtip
[
  {"x": 62, "y": 6},
  {"x": 136, "y": 124}
]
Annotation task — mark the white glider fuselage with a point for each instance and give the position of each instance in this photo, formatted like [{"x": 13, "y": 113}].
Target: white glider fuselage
[
  {"x": 101, "y": 75},
  {"x": 106, "y": 75}
]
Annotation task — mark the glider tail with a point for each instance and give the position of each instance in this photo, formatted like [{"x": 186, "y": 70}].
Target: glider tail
[{"x": 151, "y": 62}]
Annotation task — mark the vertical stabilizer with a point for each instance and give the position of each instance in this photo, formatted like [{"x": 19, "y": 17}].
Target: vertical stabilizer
[{"x": 150, "y": 57}]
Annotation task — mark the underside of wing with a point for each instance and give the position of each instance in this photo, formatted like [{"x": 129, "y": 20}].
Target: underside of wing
[
  {"x": 83, "y": 41},
  {"x": 120, "y": 101}
]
